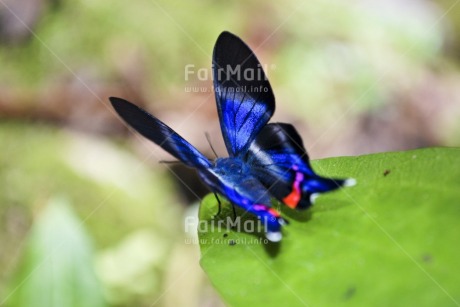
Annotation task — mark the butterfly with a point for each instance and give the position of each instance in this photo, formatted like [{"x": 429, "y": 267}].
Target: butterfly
[{"x": 266, "y": 160}]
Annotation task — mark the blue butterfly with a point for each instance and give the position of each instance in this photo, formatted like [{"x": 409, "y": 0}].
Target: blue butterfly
[{"x": 265, "y": 159}]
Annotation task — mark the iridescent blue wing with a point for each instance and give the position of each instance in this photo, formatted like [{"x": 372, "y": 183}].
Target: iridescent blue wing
[
  {"x": 249, "y": 194},
  {"x": 245, "y": 192},
  {"x": 156, "y": 131},
  {"x": 278, "y": 159},
  {"x": 245, "y": 100}
]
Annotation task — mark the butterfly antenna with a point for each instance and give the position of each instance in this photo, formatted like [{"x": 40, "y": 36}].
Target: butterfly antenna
[
  {"x": 210, "y": 145},
  {"x": 169, "y": 162}
]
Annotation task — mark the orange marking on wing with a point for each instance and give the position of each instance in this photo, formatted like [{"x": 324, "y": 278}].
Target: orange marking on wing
[
  {"x": 292, "y": 199},
  {"x": 274, "y": 212}
]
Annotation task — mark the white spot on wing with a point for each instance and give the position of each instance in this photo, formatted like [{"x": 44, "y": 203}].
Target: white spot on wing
[
  {"x": 313, "y": 197},
  {"x": 274, "y": 236},
  {"x": 350, "y": 182}
]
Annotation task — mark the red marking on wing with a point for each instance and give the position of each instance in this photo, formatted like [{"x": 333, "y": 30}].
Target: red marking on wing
[{"x": 292, "y": 200}]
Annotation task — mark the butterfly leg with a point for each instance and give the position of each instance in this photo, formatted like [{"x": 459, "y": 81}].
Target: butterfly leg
[
  {"x": 220, "y": 207},
  {"x": 234, "y": 212},
  {"x": 219, "y": 203}
]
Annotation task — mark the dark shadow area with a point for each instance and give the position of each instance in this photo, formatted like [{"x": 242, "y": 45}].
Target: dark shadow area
[
  {"x": 273, "y": 248},
  {"x": 300, "y": 215},
  {"x": 187, "y": 182}
]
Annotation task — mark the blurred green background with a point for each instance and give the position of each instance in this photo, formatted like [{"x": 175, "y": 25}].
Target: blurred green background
[{"x": 89, "y": 217}]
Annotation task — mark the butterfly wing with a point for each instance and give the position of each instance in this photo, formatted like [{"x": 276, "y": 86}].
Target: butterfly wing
[
  {"x": 278, "y": 159},
  {"x": 245, "y": 100},
  {"x": 158, "y": 132},
  {"x": 249, "y": 194}
]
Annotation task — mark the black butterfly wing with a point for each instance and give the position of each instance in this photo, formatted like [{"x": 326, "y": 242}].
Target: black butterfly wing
[
  {"x": 158, "y": 132},
  {"x": 245, "y": 100},
  {"x": 278, "y": 159}
]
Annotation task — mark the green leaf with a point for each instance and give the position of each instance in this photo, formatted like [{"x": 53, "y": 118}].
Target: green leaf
[
  {"x": 57, "y": 269},
  {"x": 390, "y": 240}
]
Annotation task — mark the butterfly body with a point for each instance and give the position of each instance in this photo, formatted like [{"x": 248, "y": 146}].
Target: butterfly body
[
  {"x": 231, "y": 167},
  {"x": 233, "y": 178},
  {"x": 266, "y": 160}
]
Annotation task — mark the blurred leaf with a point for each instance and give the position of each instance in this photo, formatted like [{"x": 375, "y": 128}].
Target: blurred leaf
[
  {"x": 104, "y": 181},
  {"x": 127, "y": 270},
  {"x": 37, "y": 161},
  {"x": 346, "y": 61},
  {"x": 58, "y": 263},
  {"x": 386, "y": 241}
]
